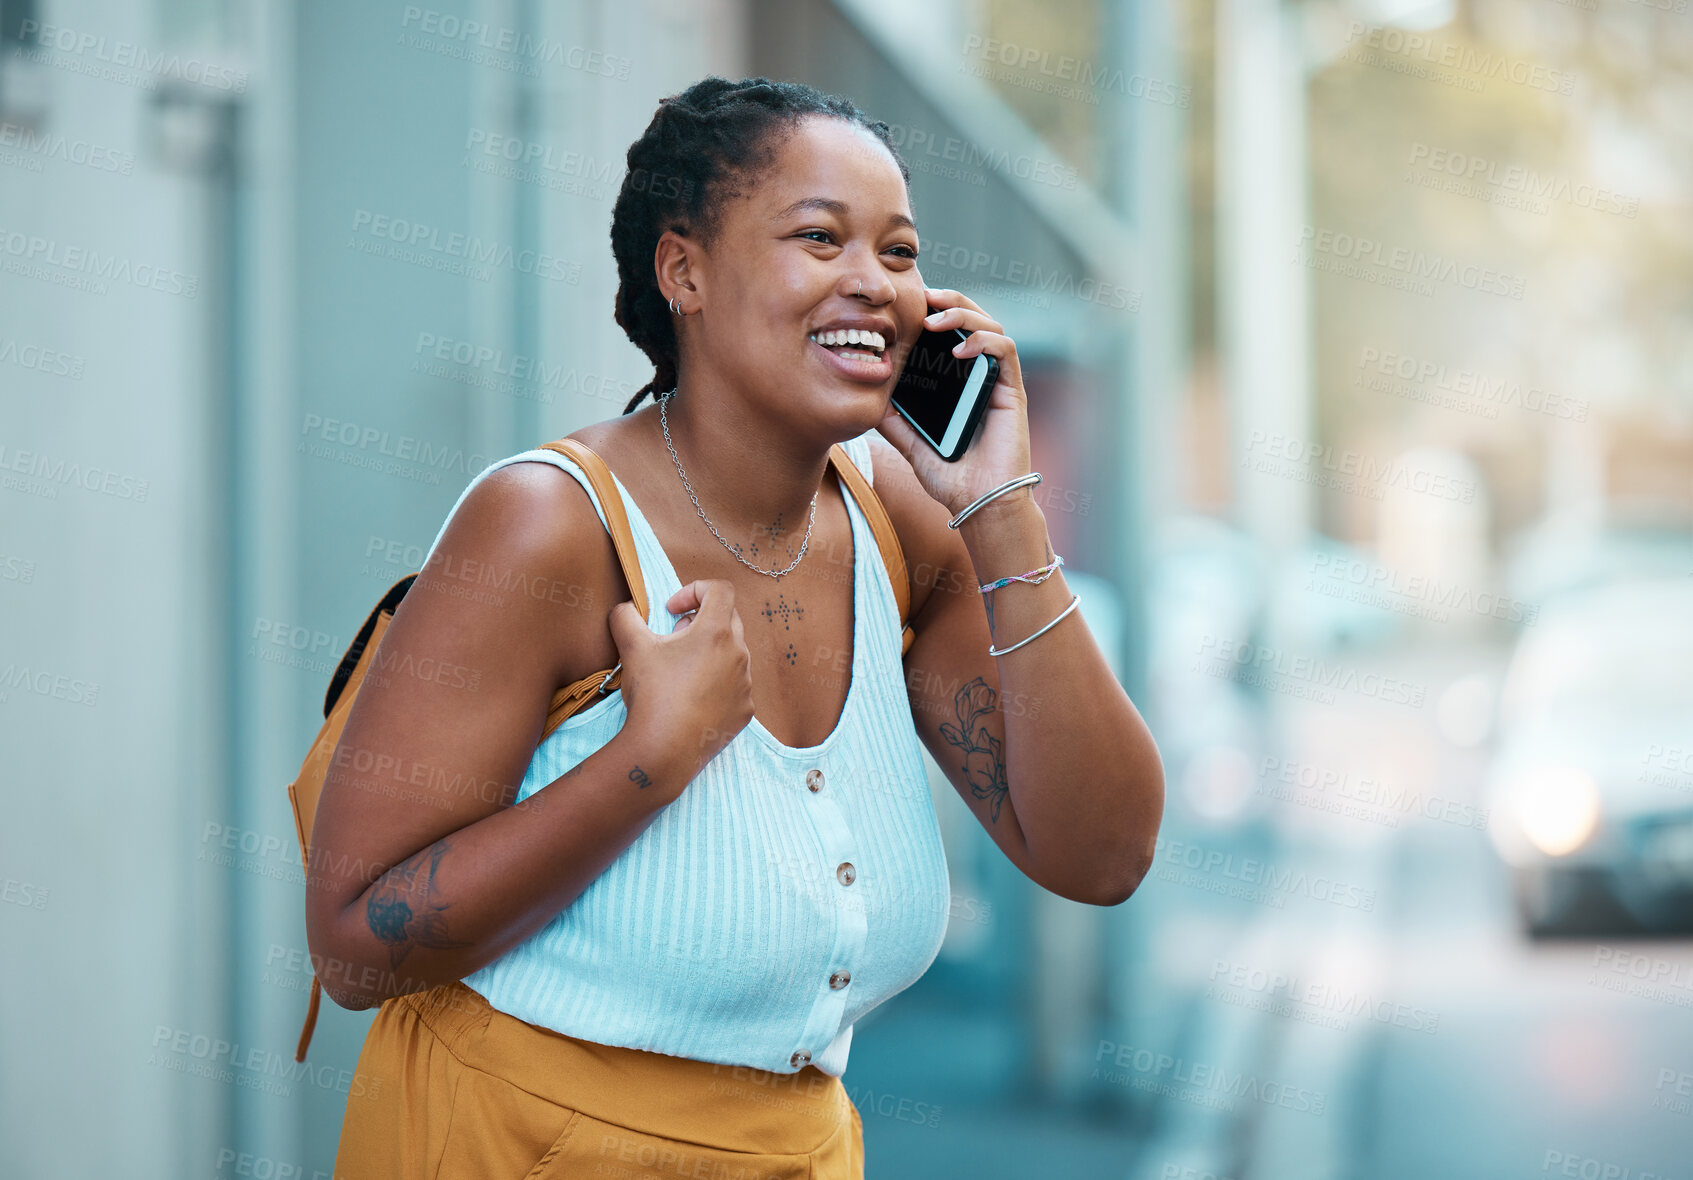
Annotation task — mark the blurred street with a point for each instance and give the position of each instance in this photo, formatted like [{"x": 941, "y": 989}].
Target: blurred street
[
  {"x": 1357, "y": 353},
  {"x": 1427, "y": 1036}
]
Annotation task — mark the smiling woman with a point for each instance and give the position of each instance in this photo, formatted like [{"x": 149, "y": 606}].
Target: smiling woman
[{"x": 729, "y": 859}]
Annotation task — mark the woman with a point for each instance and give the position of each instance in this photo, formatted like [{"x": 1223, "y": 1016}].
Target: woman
[{"x": 653, "y": 963}]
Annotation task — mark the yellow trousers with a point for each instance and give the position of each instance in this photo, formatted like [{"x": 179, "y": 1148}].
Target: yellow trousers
[{"x": 448, "y": 1087}]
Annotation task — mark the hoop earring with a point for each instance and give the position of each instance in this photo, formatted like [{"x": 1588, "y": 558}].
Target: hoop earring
[{"x": 674, "y": 310}]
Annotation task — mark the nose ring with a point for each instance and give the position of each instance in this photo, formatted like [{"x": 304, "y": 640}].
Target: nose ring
[{"x": 861, "y": 286}]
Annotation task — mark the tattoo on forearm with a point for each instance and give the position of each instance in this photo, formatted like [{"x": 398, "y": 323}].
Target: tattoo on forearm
[
  {"x": 984, "y": 763},
  {"x": 403, "y": 910},
  {"x": 640, "y": 778}
]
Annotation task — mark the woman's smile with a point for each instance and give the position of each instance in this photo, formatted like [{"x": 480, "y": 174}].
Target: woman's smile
[{"x": 854, "y": 361}]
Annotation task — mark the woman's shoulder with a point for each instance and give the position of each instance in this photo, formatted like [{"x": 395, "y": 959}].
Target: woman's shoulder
[{"x": 527, "y": 535}]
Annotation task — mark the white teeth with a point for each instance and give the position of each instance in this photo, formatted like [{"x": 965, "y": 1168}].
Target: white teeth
[{"x": 851, "y": 336}]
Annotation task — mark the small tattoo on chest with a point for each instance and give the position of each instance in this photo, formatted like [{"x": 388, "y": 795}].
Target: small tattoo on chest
[
  {"x": 774, "y": 531},
  {"x": 784, "y": 610}
]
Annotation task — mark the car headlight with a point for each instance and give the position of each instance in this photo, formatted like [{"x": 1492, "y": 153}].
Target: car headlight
[{"x": 1558, "y": 807}]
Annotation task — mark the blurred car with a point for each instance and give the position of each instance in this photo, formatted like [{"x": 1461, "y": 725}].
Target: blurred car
[{"x": 1591, "y": 785}]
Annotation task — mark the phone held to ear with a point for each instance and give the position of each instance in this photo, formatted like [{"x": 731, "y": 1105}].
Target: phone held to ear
[{"x": 944, "y": 396}]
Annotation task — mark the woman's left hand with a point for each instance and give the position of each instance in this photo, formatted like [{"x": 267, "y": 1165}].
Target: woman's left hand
[{"x": 1001, "y": 449}]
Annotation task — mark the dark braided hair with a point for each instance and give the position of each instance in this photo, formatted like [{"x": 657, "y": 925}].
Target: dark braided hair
[{"x": 700, "y": 148}]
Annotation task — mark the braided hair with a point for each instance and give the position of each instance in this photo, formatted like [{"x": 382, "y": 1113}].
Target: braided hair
[{"x": 702, "y": 146}]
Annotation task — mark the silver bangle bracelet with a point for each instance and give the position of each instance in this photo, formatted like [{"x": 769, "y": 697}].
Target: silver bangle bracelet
[
  {"x": 993, "y": 651},
  {"x": 1009, "y": 485}
]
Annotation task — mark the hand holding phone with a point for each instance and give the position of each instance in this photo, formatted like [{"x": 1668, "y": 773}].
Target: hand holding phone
[{"x": 944, "y": 396}]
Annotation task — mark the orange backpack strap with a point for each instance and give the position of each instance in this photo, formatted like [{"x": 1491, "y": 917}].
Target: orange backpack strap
[
  {"x": 344, "y": 685},
  {"x": 307, "y": 787},
  {"x": 573, "y": 697},
  {"x": 893, "y": 556}
]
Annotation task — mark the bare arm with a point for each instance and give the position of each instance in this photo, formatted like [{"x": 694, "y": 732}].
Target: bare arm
[
  {"x": 1042, "y": 744},
  {"x": 425, "y": 871}
]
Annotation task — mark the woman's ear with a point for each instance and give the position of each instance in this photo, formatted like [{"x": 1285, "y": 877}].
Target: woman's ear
[{"x": 673, "y": 263}]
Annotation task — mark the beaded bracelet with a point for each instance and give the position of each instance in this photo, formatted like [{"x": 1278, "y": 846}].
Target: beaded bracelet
[{"x": 1045, "y": 572}]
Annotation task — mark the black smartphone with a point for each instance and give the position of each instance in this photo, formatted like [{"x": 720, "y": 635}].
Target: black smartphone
[{"x": 944, "y": 396}]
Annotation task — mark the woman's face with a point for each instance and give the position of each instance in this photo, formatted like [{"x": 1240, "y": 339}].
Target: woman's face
[{"x": 792, "y": 250}]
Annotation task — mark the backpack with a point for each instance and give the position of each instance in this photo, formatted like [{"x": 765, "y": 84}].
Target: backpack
[{"x": 304, "y": 791}]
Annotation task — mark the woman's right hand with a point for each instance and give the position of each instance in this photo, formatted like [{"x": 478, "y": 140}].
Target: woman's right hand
[{"x": 689, "y": 692}]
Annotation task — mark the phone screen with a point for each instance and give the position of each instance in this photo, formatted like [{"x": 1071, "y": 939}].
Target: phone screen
[{"x": 944, "y": 396}]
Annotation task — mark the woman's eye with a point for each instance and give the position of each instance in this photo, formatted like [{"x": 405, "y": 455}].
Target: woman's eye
[
  {"x": 807, "y": 233},
  {"x": 909, "y": 252}
]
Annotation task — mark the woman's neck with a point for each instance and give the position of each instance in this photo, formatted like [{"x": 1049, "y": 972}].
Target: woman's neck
[{"x": 752, "y": 476}]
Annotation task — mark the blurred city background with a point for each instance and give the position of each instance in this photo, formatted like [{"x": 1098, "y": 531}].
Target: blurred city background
[{"x": 1359, "y": 342}]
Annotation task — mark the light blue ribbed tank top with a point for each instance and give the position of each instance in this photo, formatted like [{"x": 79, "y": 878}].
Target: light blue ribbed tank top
[{"x": 731, "y": 929}]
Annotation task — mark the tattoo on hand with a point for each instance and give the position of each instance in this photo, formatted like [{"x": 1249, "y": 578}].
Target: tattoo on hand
[
  {"x": 402, "y": 910},
  {"x": 984, "y": 764}
]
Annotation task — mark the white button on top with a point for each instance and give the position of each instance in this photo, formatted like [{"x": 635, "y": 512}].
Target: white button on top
[
  {"x": 839, "y": 980},
  {"x": 845, "y": 873},
  {"x": 800, "y": 1057},
  {"x": 814, "y": 780}
]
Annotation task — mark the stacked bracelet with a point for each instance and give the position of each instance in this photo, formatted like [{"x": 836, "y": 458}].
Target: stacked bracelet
[
  {"x": 1009, "y": 485},
  {"x": 1043, "y": 571},
  {"x": 999, "y": 651}
]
